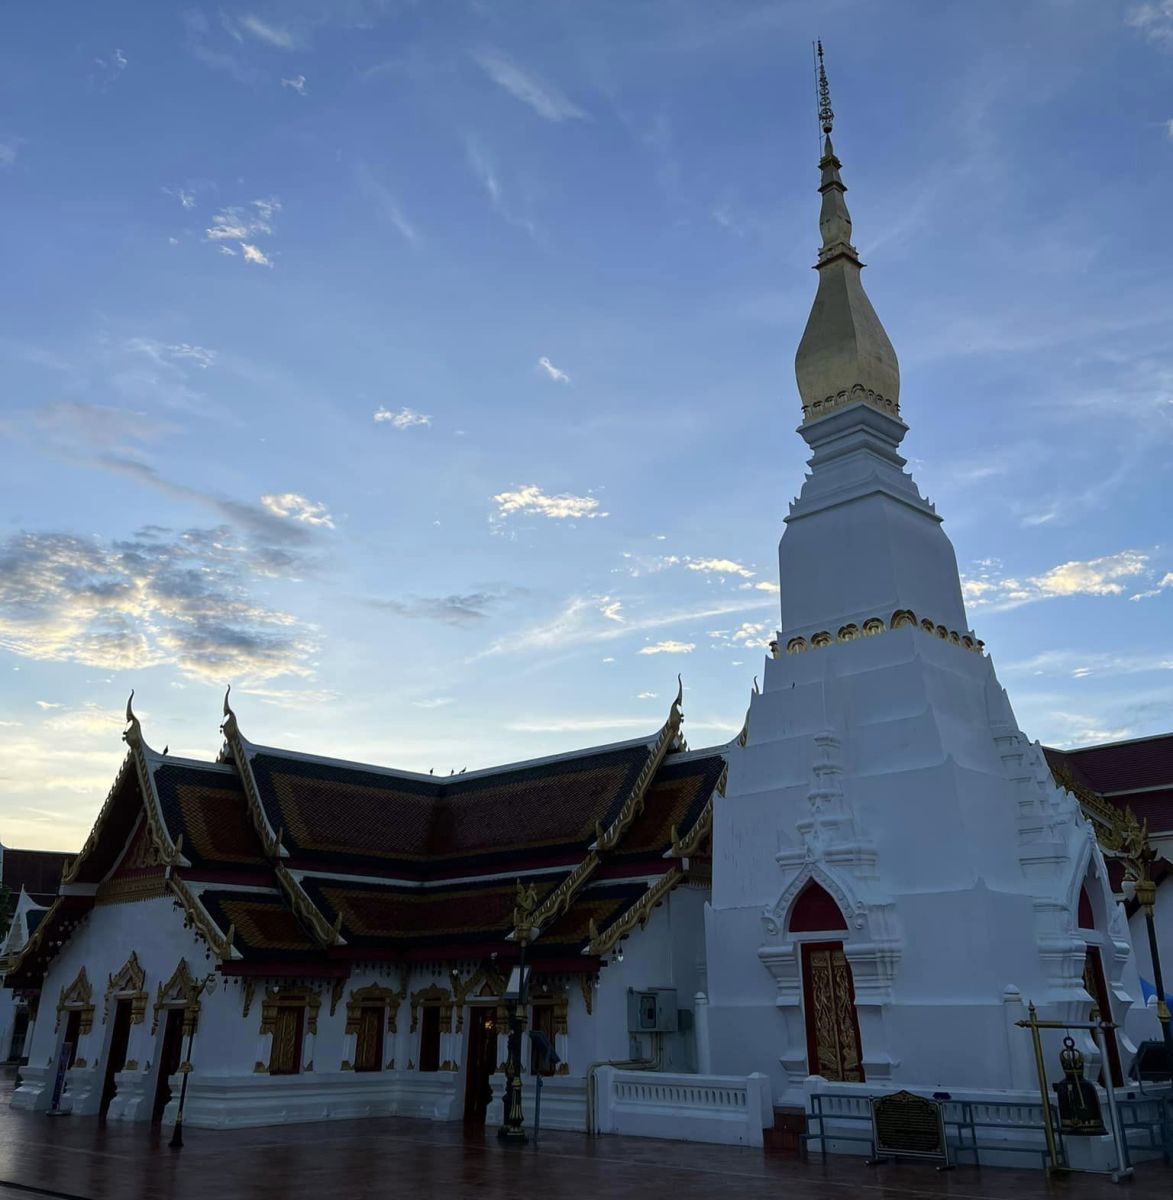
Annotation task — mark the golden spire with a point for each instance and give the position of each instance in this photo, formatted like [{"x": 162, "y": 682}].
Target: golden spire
[{"x": 845, "y": 356}]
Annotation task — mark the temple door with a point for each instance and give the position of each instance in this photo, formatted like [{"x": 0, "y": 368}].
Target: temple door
[
  {"x": 479, "y": 1065},
  {"x": 368, "y": 1047},
  {"x": 116, "y": 1059},
  {"x": 832, "y": 1027},
  {"x": 72, "y": 1035},
  {"x": 1096, "y": 986},
  {"x": 168, "y": 1062},
  {"x": 285, "y": 1055}
]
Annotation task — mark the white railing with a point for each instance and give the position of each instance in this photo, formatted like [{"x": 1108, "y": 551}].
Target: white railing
[{"x": 730, "y": 1109}]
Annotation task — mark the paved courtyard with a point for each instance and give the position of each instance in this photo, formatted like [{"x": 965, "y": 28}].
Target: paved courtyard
[{"x": 378, "y": 1158}]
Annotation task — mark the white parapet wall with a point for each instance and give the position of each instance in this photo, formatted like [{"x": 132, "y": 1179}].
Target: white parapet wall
[{"x": 728, "y": 1109}]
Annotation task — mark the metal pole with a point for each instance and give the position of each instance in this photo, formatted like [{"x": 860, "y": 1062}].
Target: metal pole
[
  {"x": 1124, "y": 1167},
  {"x": 1032, "y": 1023},
  {"x": 176, "y": 1142},
  {"x": 513, "y": 1127},
  {"x": 1158, "y": 981}
]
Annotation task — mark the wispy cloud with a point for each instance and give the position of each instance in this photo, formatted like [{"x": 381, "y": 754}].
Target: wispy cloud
[
  {"x": 404, "y": 418},
  {"x": 485, "y": 171},
  {"x": 553, "y": 372},
  {"x": 581, "y": 621},
  {"x": 261, "y": 31},
  {"x": 720, "y": 566},
  {"x": 668, "y": 647},
  {"x": 1166, "y": 581},
  {"x": 466, "y": 608},
  {"x": 433, "y": 702},
  {"x": 385, "y": 202},
  {"x": 530, "y": 500},
  {"x": 296, "y": 84},
  {"x": 1154, "y": 20},
  {"x": 1111, "y": 575},
  {"x": 750, "y": 635},
  {"x": 291, "y": 506},
  {"x": 242, "y": 225},
  {"x": 545, "y": 99},
  {"x": 8, "y": 148}
]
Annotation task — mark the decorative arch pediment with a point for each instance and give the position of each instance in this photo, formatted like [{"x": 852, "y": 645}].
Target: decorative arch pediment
[
  {"x": 373, "y": 996},
  {"x": 486, "y": 984},
  {"x": 180, "y": 991},
  {"x": 433, "y": 996},
  {"x": 289, "y": 997},
  {"x": 129, "y": 982},
  {"x": 77, "y": 997},
  {"x": 855, "y": 913}
]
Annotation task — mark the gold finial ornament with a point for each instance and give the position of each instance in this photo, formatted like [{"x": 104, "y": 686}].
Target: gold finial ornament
[
  {"x": 826, "y": 115},
  {"x": 133, "y": 736},
  {"x": 229, "y": 724}
]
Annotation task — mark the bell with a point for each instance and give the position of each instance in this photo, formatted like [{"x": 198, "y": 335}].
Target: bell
[{"x": 1079, "y": 1103}]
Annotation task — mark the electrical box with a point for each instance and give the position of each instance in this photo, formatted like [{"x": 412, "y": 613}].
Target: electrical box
[{"x": 652, "y": 1010}]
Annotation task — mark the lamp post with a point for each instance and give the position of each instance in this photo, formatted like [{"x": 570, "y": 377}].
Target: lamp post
[
  {"x": 513, "y": 1127},
  {"x": 208, "y": 984},
  {"x": 1138, "y": 855}
]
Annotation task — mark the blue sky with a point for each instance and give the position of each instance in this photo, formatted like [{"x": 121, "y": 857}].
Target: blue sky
[{"x": 426, "y": 370}]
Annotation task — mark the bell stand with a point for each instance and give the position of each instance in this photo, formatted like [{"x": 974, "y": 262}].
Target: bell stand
[{"x": 1123, "y": 1168}]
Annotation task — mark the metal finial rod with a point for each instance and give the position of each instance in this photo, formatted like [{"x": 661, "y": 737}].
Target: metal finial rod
[{"x": 826, "y": 115}]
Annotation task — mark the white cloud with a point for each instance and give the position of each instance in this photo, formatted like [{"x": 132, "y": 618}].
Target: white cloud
[
  {"x": 271, "y": 35},
  {"x": 764, "y": 586},
  {"x": 386, "y": 202},
  {"x": 296, "y": 84},
  {"x": 611, "y": 609},
  {"x": 254, "y": 254},
  {"x": 719, "y": 566},
  {"x": 405, "y": 418},
  {"x": 553, "y": 372},
  {"x": 433, "y": 702},
  {"x": 1106, "y": 576},
  {"x": 752, "y": 635},
  {"x": 579, "y": 623},
  {"x": 45, "y": 705},
  {"x": 1154, "y": 20},
  {"x": 668, "y": 647},
  {"x": 8, "y": 152},
  {"x": 165, "y": 354},
  {"x": 297, "y": 508},
  {"x": 244, "y": 224},
  {"x": 647, "y": 695},
  {"x": 545, "y": 99},
  {"x": 1164, "y": 582},
  {"x": 153, "y": 599},
  {"x": 530, "y": 499}
]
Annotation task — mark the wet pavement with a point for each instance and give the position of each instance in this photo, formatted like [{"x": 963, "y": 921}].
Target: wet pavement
[{"x": 397, "y": 1157}]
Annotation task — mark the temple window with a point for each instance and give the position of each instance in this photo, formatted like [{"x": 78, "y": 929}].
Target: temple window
[{"x": 543, "y": 1022}]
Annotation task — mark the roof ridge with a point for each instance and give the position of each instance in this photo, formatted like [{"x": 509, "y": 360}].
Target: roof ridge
[{"x": 1150, "y": 737}]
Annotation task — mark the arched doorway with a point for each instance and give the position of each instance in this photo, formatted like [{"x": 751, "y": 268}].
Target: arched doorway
[
  {"x": 1095, "y": 983},
  {"x": 828, "y": 990}
]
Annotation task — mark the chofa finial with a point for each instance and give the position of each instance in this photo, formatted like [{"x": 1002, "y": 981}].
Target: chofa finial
[
  {"x": 133, "y": 734},
  {"x": 826, "y": 115},
  {"x": 228, "y": 726},
  {"x": 228, "y": 707}
]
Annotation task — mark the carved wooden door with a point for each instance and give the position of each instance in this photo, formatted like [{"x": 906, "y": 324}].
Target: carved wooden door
[
  {"x": 368, "y": 1050},
  {"x": 832, "y": 1027},
  {"x": 285, "y": 1056}
]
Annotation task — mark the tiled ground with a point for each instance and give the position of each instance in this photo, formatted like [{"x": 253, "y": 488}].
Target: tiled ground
[{"x": 404, "y": 1158}]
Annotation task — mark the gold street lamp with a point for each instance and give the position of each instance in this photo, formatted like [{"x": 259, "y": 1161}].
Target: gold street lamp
[{"x": 1137, "y": 854}]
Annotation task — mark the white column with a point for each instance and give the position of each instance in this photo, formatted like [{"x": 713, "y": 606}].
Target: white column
[
  {"x": 1020, "y": 1054},
  {"x": 704, "y": 1057}
]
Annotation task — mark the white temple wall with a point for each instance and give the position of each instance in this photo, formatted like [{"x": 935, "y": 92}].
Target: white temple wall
[
  {"x": 151, "y": 929},
  {"x": 1163, "y": 921}
]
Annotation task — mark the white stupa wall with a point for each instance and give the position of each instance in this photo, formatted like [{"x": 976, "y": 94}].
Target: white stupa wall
[{"x": 955, "y": 859}]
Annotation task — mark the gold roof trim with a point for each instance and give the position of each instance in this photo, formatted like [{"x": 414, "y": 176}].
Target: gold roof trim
[
  {"x": 270, "y": 838},
  {"x": 1107, "y": 820},
  {"x": 306, "y": 911},
  {"x": 636, "y": 915},
  {"x": 608, "y": 839},
  {"x": 558, "y": 901},
  {"x": 220, "y": 943},
  {"x": 70, "y": 873}
]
